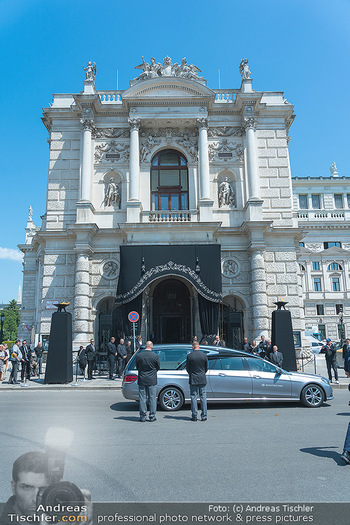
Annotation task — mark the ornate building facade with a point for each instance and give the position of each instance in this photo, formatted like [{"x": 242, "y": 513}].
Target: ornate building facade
[{"x": 170, "y": 198}]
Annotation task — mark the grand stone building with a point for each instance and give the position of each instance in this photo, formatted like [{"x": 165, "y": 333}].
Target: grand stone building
[{"x": 170, "y": 198}]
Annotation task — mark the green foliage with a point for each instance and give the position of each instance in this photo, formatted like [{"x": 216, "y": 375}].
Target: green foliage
[
  {"x": 11, "y": 322},
  {"x": 9, "y": 343}
]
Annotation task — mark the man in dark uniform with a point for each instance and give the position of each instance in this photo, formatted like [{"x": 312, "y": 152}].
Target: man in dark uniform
[
  {"x": 197, "y": 367},
  {"x": 121, "y": 357},
  {"x": 90, "y": 356},
  {"x": 39, "y": 356},
  {"x": 111, "y": 355},
  {"x": 276, "y": 357},
  {"x": 25, "y": 360},
  {"x": 331, "y": 359},
  {"x": 147, "y": 363},
  {"x": 262, "y": 347}
]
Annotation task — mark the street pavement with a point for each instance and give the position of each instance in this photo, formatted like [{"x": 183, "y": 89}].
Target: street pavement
[
  {"x": 314, "y": 365},
  {"x": 255, "y": 453}
]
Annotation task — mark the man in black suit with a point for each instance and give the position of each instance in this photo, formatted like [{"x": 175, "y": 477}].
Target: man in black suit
[
  {"x": 121, "y": 357},
  {"x": 276, "y": 357},
  {"x": 197, "y": 367},
  {"x": 90, "y": 356},
  {"x": 25, "y": 360},
  {"x": 111, "y": 355},
  {"x": 147, "y": 363}
]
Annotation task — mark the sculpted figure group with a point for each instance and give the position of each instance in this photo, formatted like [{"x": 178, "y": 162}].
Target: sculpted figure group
[{"x": 167, "y": 69}]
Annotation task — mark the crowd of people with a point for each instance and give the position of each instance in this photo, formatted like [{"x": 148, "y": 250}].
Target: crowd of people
[
  {"x": 264, "y": 349},
  {"x": 24, "y": 359}
]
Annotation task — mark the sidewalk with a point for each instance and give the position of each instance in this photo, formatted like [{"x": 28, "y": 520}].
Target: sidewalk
[{"x": 101, "y": 382}]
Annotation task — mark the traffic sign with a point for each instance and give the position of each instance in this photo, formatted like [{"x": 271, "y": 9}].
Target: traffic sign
[{"x": 133, "y": 317}]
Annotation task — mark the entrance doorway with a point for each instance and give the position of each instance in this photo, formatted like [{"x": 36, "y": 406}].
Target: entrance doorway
[{"x": 171, "y": 322}]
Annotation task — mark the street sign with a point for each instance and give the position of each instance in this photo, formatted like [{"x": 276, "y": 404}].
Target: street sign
[{"x": 133, "y": 317}]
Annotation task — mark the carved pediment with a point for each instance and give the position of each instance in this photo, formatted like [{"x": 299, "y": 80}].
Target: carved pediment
[{"x": 169, "y": 88}]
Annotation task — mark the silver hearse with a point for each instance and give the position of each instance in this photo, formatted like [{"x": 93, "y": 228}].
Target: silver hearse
[{"x": 233, "y": 376}]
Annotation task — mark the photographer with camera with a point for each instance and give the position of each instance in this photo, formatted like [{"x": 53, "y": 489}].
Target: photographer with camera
[{"x": 331, "y": 359}]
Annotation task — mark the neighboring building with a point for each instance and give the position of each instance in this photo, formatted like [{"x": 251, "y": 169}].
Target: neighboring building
[
  {"x": 169, "y": 198},
  {"x": 322, "y": 207}
]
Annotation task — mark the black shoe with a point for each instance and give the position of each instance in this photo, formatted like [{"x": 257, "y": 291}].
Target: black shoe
[
  {"x": 15, "y": 383},
  {"x": 203, "y": 418},
  {"x": 151, "y": 419},
  {"x": 346, "y": 457},
  {"x": 194, "y": 418},
  {"x": 142, "y": 419}
]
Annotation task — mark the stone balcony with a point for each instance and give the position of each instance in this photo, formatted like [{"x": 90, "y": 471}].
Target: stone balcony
[
  {"x": 327, "y": 215},
  {"x": 170, "y": 216}
]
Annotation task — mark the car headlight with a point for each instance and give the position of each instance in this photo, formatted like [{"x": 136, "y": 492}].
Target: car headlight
[{"x": 325, "y": 380}]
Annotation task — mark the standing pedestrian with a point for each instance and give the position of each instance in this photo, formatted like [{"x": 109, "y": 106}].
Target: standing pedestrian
[
  {"x": 39, "y": 356},
  {"x": 25, "y": 370},
  {"x": 111, "y": 355},
  {"x": 82, "y": 359},
  {"x": 262, "y": 347},
  {"x": 147, "y": 363},
  {"x": 90, "y": 356},
  {"x": 276, "y": 357},
  {"x": 331, "y": 360},
  {"x": 218, "y": 341},
  {"x": 245, "y": 345},
  {"x": 3, "y": 356},
  {"x": 197, "y": 367},
  {"x": 121, "y": 358},
  {"x": 129, "y": 351},
  {"x": 15, "y": 358}
]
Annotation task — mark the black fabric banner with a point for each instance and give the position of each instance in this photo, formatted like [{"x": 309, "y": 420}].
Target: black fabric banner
[{"x": 141, "y": 265}]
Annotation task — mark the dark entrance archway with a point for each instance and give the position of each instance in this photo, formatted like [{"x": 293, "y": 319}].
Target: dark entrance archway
[{"x": 171, "y": 312}]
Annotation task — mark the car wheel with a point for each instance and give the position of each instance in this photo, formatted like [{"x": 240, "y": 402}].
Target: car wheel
[
  {"x": 312, "y": 396},
  {"x": 171, "y": 398}
]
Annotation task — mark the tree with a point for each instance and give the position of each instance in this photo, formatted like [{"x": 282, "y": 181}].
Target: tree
[{"x": 11, "y": 321}]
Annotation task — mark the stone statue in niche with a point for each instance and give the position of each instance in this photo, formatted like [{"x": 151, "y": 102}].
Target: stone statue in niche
[
  {"x": 112, "y": 194},
  {"x": 244, "y": 69},
  {"x": 90, "y": 70},
  {"x": 226, "y": 194}
]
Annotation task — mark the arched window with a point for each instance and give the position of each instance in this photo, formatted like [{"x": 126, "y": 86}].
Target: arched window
[
  {"x": 169, "y": 181},
  {"x": 334, "y": 266}
]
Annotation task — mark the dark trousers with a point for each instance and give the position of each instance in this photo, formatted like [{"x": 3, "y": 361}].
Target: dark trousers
[
  {"x": 111, "y": 361},
  {"x": 25, "y": 368},
  {"x": 347, "y": 440},
  {"x": 40, "y": 364},
  {"x": 14, "y": 371},
  {"x": 330, "y": 365},
  {"x": 90, "y": 368},
  {"x": 121, "y": 366}
]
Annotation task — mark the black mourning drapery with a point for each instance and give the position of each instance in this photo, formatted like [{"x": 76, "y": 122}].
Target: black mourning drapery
[{"x": 198, "y": 264}]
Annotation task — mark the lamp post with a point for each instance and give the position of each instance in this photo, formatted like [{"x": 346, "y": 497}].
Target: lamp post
[
  {"x": 341, "y": 329},
  {"x": 2, "y": 318}
]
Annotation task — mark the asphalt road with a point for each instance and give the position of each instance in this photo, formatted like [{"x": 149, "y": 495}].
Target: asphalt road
[{"x": 252, "y": 453}]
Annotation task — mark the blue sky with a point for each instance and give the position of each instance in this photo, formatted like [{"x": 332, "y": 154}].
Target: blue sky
[{"x": 299, "y": 47}]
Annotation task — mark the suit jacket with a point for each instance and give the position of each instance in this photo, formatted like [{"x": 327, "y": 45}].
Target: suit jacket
[
  {"x": 111, "y": 348},
  {"x": 25, "y": 352},
  {"x": 276, "y": 358},
  {"x": 197, "y": 367},
  {"x": 345, "y": 350},
  {"x": 90, "y": 352},
  {"x": 121, "y": 350},
  {"x": 147, "y": 363}
]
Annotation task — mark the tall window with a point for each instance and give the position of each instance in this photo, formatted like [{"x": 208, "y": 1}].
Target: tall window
[
  {"x": 317, "y": 284},
  {"x": 315, "y": 265},
  {"x": 169, "y": 181},
  {"x": 338, "y": 201},
  {"x": 316, "y": 202},
  {"x": 335, "y": 284},
  {"x": 303, "y": 202},
  {"x": 322, "y": 330},
  {"x": 334, "y": 266},
  {"x": 320, "y": 309}
]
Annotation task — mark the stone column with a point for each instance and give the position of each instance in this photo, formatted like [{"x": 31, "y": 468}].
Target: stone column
[
  {"x": 134, "y": 172},
  {"x": 249, "y": 124},
  {"x": 81, "y": 327},
  {"x": 203, "y": 158},
  {"x": 87, "y": 122},
  {"x": 259, "y": 296}
]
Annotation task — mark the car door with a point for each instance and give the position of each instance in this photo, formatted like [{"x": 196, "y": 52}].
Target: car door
[
  {"x": 266, "y": 380},
  {"x": 229, "y": 378}
]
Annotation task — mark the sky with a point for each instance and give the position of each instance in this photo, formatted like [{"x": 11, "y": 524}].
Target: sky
[{"x": 300, "y": 47}]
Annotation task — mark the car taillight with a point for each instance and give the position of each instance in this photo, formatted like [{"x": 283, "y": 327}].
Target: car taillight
[{"x": 130, "y": 378}]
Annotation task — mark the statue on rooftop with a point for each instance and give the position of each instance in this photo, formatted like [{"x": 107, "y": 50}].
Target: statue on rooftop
[
  {"x": 333, "y": 170},
  {"x": 244, "y": 69},
  {"x": 90, "y": 70}
]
